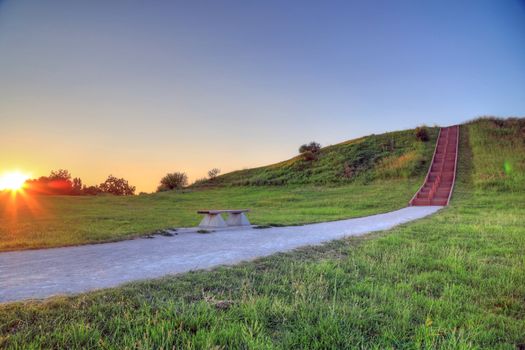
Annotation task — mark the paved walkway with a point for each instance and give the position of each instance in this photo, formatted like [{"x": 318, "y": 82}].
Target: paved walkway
[{"x": 46, "y": 272}]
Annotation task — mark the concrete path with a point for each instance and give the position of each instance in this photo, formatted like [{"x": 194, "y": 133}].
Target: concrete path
[{"x": 46, "y": 272}]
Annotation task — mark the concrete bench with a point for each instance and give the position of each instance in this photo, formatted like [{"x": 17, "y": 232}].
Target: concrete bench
[{"x": 213, "y": 218}]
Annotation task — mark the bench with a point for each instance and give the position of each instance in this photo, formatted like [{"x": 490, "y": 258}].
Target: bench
[{"x": 213, "y": 218}]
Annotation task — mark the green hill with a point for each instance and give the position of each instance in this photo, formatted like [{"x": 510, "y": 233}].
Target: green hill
[{"x": 391, "y": 155}]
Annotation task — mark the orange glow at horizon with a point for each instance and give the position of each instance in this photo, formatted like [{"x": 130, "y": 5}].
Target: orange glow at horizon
[{"x": 13, "y": 181}]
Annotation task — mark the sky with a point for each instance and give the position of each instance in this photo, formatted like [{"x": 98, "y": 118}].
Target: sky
[{"x": 141, "y": 88}]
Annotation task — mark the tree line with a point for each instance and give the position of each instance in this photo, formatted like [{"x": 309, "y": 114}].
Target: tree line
[{"x": 60, "y": 182}]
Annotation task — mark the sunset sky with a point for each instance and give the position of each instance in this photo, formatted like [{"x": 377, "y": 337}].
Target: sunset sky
[{"x": 141, "y": 88}]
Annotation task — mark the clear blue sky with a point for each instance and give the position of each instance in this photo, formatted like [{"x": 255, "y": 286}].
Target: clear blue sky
[{"x": 140, "y": 88}]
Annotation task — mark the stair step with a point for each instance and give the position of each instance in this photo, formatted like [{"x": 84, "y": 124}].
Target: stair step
[{"x": 443, "y": 167}]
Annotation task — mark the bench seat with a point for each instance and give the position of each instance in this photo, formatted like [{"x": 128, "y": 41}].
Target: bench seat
[{"x": 213, "y": 218}]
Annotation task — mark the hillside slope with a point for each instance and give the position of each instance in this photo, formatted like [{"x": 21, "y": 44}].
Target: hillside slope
[
  {"x": 500, "y": 167},
  {"x": 391, "y": 155}
]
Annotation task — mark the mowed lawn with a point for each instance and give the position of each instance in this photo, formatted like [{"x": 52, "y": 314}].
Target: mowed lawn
[
  {"x": 455, "y": 280},
  {"x": 50, "y": 221}
]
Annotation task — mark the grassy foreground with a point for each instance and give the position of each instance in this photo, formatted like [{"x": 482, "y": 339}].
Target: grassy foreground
[
  {"x": 35, "y": 222},
  {"x": 455, "y": 280}
]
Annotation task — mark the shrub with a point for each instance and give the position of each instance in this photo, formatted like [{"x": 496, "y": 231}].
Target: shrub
[
  {"x": 309, "y": 156},
  {"x": 171, "y": 181},
  {"x": 116, "y": 186},
  {"x": 313, "y": 147},
  {"x": 310, "y": 151},
  {"x": 422, "y": 133},
  {"x": 348, "y": 172},
  {"x": 91, "y": 190}
]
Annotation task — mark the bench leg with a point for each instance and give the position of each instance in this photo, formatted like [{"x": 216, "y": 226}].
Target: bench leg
[
  {"x": 237, "y": 220},
  {"x": 212, "y": 220}
]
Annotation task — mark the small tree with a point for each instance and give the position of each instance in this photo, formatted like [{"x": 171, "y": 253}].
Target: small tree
[
  {"x": 77, "y": 186},
  {"x": 212, "y": 174},
  {"x": 422, "y": 133},
  {"x": 116, "y": 186},
  {"x": 310, "y": 151},
  {"x": 173, "y": 181}
]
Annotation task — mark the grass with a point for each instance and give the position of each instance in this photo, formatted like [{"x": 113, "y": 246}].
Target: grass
[
  {"x": 370, "y": 175},
  {"x": 503, "y": 167},
  {"x": 49, "y": 221},
  {"x": 393, "y": 155},
  {"x": 382, "y": 173},
  {"x": 455, "y": 280}
]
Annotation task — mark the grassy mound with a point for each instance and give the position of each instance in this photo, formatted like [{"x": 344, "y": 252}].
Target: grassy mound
[{"x": 392, "y": 155}]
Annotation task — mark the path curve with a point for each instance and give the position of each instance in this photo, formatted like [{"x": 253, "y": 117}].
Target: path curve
[{"x": 46, "y": 272}]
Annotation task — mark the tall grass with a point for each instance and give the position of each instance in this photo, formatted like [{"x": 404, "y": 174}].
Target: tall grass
[{"x": 501, "y": 167}]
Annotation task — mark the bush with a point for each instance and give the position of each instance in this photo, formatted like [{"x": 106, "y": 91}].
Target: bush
[
  {"x": 309, "y": 156},
  {"x": 172, "y": 181},
  {"x": 422, "y": 133},
  {"x": 91, "y": 190},
  {"x": 116, "y": 186},
  {"x": 310, "y": 151},
  {"x": 313, "y": 147}
]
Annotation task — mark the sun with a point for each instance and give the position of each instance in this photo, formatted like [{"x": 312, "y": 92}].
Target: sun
[{"x": 13, "y": 181}]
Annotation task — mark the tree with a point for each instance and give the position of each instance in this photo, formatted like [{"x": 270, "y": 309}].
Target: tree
[
  {"x": 310, "y": 151},
  {"x": 77, "y": 186},
  {"x": 212, "y": 174},
  {"x": 58, "y": 182},
  {"x": 173, "y": 181},
  {"x": 116, "y": 186},
  {"x": 60, "y": 174}
]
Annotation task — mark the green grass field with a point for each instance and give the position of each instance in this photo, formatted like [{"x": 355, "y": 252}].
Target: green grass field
[
  {"x": 49, "y": 221},
  {"x": 455, "y": 280},
  {"x": 388, "y": 169}
]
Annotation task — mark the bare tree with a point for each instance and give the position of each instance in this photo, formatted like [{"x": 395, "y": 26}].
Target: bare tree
[{"x": 212, "y": 174}]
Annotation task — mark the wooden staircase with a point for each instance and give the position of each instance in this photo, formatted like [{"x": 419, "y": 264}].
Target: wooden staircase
[{"x": 439, "y": 182}]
